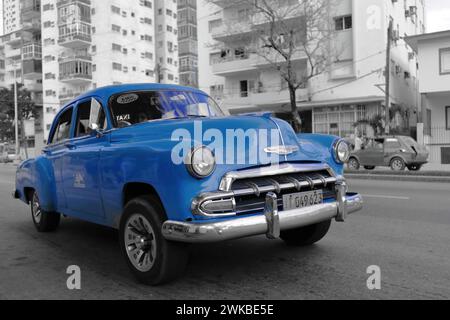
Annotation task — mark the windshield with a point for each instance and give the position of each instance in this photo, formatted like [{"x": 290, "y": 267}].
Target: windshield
[{"x": 136, "y": 107}]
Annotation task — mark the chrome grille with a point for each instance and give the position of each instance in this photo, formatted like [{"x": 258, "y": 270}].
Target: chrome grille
[
  {"x": 243, "y": 192},
  {"x": 250, "y": 193}
]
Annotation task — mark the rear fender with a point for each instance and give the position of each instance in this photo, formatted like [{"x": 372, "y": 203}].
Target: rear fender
[{"x": 37, "y": 174}]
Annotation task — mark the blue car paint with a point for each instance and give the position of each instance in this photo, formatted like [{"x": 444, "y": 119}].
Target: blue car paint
[{"x": 88, "y": 182}]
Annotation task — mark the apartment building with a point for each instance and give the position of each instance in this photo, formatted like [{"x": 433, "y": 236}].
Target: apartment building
[
  {"x": 21, "y": 54},
  {"x": 61, "y": 48},
  {"x": 188, "y": 42},
  {"x": 433, "y": 50},
  {"x": 351, "y": 89}
]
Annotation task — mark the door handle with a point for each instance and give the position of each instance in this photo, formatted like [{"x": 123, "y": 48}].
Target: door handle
[{"x": 70, "y": 146}]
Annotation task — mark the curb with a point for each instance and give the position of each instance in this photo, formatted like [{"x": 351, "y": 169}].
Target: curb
[{"x": 388, "y": 177}]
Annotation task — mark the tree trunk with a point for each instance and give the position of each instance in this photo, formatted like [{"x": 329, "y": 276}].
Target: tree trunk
[{"x": 296, "y": 119}]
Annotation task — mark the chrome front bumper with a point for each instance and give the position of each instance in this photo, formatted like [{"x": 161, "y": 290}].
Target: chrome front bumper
[{"x": 271, "y": 223}]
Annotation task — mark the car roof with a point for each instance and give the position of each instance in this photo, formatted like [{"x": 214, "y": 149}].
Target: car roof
[{"x": 106, "y": 92}]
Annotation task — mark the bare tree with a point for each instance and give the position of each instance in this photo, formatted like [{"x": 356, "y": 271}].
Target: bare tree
[{"x": 292, "y": 36}]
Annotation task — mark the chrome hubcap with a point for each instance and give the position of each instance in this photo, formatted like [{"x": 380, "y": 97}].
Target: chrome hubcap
[
  {"x": 397, "y": 164},
  {"x": 36, "y": 209},
  {"x": 353, "y": 164},
  {"x": 140, "y": 242}
]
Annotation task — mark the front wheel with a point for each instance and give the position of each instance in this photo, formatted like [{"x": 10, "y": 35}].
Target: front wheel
[
  {"x": 43, "y": 221},
  {"x": 151, "y": 258},
  {"x": 306, "y": 236},
  {"x": 353, "y": 164}
]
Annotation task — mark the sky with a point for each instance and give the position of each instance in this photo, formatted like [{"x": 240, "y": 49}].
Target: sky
[{"x": 438, "y": 15}]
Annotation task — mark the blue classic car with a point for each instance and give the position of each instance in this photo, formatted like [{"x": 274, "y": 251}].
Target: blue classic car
[{"x": 167, "y": 168}]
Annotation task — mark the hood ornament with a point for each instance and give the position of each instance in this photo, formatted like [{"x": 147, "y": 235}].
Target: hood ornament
[{"x": 282, "y": 150}]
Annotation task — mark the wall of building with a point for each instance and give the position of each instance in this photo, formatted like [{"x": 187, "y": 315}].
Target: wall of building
[
  {"x": 430, "y": 78},
  {"x": 207, "y": 79}
]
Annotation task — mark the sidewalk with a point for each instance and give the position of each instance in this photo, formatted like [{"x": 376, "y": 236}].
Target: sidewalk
[{"x": 429, "y": 174}]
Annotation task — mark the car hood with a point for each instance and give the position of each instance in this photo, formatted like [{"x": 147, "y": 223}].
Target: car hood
[{"x": 269, "y": 136}]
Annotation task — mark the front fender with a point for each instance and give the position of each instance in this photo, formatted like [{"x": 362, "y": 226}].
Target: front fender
[
  {"x": 320, "y": 147},
  {"x": 151, "y": 164}
]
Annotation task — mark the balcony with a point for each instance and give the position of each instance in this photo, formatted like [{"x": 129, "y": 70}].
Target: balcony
[
  {"x": 34, "y": 87},
  {"x": 68, "y": 96},
  {"x": 231, "y": 31},
  {"x": 13, "y": 39},
  {"x": 62, "y": 3},
  {"x": 272, "y": 57},
  {"x": 32, "y": 69},
  {"x": 32, "y": 25},
  {"x": 75, "y": 57},
  {"x": 262, "y": 97},
  {"x": 234, "y": 65},
  {"x": 75, "y": 40},
  {"x": 31, "y": 10},
  {"x": 75, "y": 71}
]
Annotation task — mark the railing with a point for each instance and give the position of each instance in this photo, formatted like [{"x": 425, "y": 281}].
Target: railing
[
  {"x": 437, "y": 136},
  {"x": 61, "y": 3},
  {"x": 71, "y": 76},
  {"x": 75, "y": 57},
  {"x": 32, "y": 51}
]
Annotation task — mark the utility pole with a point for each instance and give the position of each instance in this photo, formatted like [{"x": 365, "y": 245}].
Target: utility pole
[
  {"x": 16, "y": 114},
  {"x": 388, "y": 78}
]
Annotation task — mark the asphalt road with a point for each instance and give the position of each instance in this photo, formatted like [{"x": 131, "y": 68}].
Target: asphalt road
[{"x": 404, "y": 229}]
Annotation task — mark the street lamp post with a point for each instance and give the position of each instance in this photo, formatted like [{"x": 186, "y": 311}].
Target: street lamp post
[{"x": 16, "y": 114}]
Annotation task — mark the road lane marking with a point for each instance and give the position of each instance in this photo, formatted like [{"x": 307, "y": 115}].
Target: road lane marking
[{"x": 379, "y": 196}]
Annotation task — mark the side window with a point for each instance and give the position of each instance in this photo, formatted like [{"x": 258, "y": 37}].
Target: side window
[
  {"x": 62, "y": 131},
  {"x": 90, "y": 115},
  {"x": 392, "y": 144}
]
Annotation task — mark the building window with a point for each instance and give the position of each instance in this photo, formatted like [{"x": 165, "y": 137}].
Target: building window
[
  {"x": 343, "y": 23},
  {"x": 444, "y": 61},
  {"x": 447, "y": 118}
]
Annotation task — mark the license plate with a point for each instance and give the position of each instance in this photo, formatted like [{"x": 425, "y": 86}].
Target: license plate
[{"x": 302, "y": 199}]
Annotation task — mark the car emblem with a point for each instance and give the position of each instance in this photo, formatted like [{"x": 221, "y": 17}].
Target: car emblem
[{"x": 282, "y": 150}]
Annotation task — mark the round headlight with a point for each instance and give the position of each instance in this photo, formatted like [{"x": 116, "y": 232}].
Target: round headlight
[
  {"x": 341, "y": 151},
  {"x": 201, "y": 162}
]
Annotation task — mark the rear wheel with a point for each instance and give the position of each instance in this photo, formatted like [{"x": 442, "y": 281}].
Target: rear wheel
[
  {"x": 397, "y": 164},
  {"x": 415, "y": 167},
  {"x": 43, "y": 221},
  {"x": 306, "y": 236},
  {"x": 151, "y": 258},
  {"x": 353, "y": 164}
]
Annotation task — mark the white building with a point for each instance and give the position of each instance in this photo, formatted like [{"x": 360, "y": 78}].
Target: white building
[
  {"x": 433, "y": 50},
  {"x": 66, "y": 47},
  {"x": 88, "y": 44},
  {"x": 353, "y": 88}
]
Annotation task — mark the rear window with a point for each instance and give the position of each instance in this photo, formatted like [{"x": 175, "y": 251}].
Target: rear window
[
  {"x": 410, "y": 142},
  {"x": 136, "y": 107}
]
